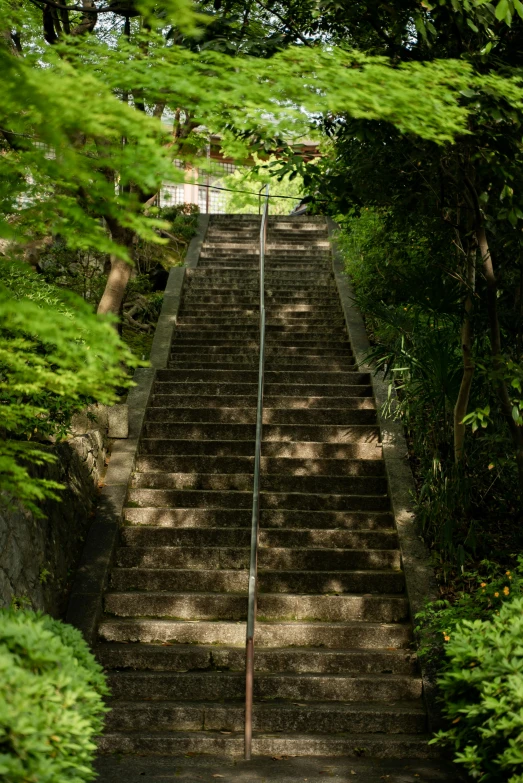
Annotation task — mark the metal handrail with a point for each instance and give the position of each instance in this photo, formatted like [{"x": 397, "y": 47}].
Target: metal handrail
[{"x": 255, "y": 523}]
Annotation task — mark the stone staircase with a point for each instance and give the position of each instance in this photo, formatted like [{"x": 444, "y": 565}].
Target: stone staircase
[{"x": 335, "y": 672}]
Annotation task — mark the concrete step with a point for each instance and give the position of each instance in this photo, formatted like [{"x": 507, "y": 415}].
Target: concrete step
[
  {"x": 286, "y": 745},
  {"x": 271, "y": 606},
  {"x": 217, "y": 448},
  {"x": 251, "y": 330},
  {"x": 195, "y": 498},
  {"x": 395, "y": 718},
  {"x": 250, "y": 320},
  {"x": 272, "y": 364},
  {"x": 269, "y": 465},
  {"x": 330, "y": 636},
  {"x": 203, "y": 686},
  {"x": 270, "y": 482},
  {"x": 183, "y": 658},
  {"x": 316, "y": 416},
  {"x": 241, "y": 536},
  {"x": 230, "y": 581},
  {"x": 362, "y": 400},
  {"x": 250, "y": 342},
  {"x": 295, "y": 450},
  {"x": 269, "y": 559},
  {"x": 327, "y": 433},
  {"x": 224, "y": 517},
  {"x": 230, "y": 300},
  {"x": 271, "y": 377}
]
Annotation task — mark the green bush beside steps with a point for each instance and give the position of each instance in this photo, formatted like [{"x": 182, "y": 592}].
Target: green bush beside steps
[
  {"x": 51, "y": 705},
  {"x": 482, "y": 691}
]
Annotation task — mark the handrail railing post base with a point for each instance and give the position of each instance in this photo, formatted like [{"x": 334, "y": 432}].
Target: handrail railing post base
[{"x": 249, "y": 682}]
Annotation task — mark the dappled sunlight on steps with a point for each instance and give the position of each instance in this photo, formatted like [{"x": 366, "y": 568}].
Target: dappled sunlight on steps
[{"x": 335, "y": 672}]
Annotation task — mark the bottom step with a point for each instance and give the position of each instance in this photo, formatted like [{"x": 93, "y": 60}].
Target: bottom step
[
  {"x": 207, "y": 742},
  {"x": 327, "y": 718}
]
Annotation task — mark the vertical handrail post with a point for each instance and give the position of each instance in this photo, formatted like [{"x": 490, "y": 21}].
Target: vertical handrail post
[{"x": 255, "y": 521}]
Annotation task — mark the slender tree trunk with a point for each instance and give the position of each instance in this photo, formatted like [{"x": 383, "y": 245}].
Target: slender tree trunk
[
  {"x": 467, "y": 340},
  {"x": 516, "y": 431},
  {"x": 119, "y": 274}
]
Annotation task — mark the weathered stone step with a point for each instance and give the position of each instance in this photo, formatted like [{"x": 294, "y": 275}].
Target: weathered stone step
[
  {"x": 283, "y": 466},
  {"x": 223, "y": 517},
  {"x": 296, "y": 450},
  {"x": 225, "y": 498},
  {"x": 317, "y": 416},
  {"x": 279, "y": 364},
  {"x": 199, "y": 342},
  {"x": 326, "y": 718},
  {"x": 247, "y": 256},
  {"x": 237, "y": 349},
  {"x": 313, "y": 582},
  {"x": 270, "y": 482},
  {"x": 271, "y": 377},
  {"x": 285, "y": 745},
  {"x": 274, "y": 275},
  {"x": 278, "y": 292},
  {"x": 269, "y": 559},
  {"x": 199, "y": 431},
  {"x": 337, "y": 636},
  {"x": 249, "y": 277},
  {"x": 249, "y": 319},
  {"x": 362, "y": 401},
  {"x": 283, "y": 243},
  {"x": 326, "y": 433},
  {"x": 249, "y": 330},
  {"x": 248, "y": 337},
  {"x": 271, "y": 606},
  {"x": 217, "y": 448},
  {"x": 272, "y": 363},
  {"x": 183, "y": 658},
  {"x": 247, "y": 280},
  {"x": 197, "y": 686},
  {"x": 232, "y": 300},
  {"x": 149, "y": 536}
]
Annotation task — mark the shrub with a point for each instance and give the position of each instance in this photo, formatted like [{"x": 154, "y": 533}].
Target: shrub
[
  {"x": 483, "y": 593},
  {"x": 482, "y": 688},
  {"x": 51, "y": 704}
]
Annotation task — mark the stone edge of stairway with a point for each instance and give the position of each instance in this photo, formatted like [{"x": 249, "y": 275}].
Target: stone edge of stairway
[
  {"x": 86, "y": 599},
  {"x": 419, "y": 574}
]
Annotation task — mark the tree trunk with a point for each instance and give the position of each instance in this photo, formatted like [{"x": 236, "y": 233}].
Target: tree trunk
[
  {"x": 467, "y": 340},
  {"x": 516, "y": 431},
  {"x": 119, "y": 274}
]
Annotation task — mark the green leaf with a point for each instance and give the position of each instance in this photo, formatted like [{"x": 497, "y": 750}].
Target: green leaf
[{"x": 502, "y": 9}]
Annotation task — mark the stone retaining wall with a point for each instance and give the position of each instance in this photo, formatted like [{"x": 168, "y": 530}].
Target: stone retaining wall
[{"x": 38, "y": 556}]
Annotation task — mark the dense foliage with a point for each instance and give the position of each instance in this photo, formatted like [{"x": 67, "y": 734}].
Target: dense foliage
[
  {"x": 95, "y": 105},
  {"x": 56, "y": 356},
  {"x": 414, "y": 314},
  {"x": 51, "y": 705},
  {"x": 482, "y": 686}
]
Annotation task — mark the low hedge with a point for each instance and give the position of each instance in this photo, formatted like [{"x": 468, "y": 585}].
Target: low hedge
[{"x": 51, "y": 705}]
